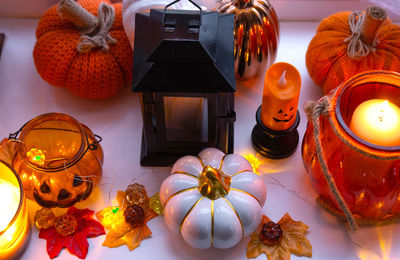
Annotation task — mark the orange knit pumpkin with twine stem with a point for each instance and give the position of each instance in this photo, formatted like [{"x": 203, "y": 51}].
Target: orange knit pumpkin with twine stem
[
  {"x": 82, "y": 46},
  {"x": 348, "y": 43}
]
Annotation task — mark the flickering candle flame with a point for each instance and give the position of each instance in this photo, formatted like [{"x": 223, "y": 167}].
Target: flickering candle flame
[
  {"x": 377, "y": 121},
  {"x": 282, "y": 80}
]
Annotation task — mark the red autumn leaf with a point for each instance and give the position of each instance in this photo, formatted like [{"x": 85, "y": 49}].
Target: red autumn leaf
[{"x": 76, "y": 243}]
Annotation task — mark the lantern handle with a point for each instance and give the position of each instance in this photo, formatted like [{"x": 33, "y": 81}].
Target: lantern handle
[{"x": 176, "y": 1}]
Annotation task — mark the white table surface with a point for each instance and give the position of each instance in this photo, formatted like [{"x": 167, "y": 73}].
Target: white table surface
[{"x": 25, "y": 95}]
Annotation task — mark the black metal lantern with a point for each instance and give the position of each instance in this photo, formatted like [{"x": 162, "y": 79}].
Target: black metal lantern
[{"x": 183, "y": 67}]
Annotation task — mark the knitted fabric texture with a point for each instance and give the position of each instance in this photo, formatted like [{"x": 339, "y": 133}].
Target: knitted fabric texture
[
  {"x": 328, "y": 60},
  {"x": 96, "y": 74}
]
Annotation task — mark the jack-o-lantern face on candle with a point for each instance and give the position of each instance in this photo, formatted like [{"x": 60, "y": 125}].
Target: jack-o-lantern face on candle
[
  {"x": 280, "y": 97},
  {"x": 284, "y": 117}
]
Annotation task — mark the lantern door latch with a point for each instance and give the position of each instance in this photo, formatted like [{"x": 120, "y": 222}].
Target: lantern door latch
[
  {"x": 230, "y": 116},
  {"x": 150, "y": 108}
]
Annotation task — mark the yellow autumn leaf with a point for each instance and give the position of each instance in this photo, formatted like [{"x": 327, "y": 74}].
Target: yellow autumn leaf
[
  {"x": 121, "y": 200},
  {"x": 119, "y": 232},
  {"x": 293, "y": 241},
  {"x": 134, "y": 237},
  {"x": 294, "y": 235}
]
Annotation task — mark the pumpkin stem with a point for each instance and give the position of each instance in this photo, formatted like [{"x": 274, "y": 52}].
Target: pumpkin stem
[
  {"x": 79, "y": 16},
  {"x": 242, "y": 4},
  {"x": 364, "y": 28},
  {"x": 373, "y": 20},
  {"x": 94, "y": 30},
  {"x": 214, "y": 183}
]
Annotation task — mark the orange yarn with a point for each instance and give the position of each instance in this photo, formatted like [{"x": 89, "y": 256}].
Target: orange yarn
[{"x": 96, "y": 74}]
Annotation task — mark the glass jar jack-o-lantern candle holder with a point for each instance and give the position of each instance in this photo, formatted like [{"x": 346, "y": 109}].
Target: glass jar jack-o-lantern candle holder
[
  {"x": 58, "y": 160},
  {"x": 365, "y": 172}
]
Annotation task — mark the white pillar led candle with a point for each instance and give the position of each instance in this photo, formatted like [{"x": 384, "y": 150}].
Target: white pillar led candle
[{"x": 377, "y": 121}]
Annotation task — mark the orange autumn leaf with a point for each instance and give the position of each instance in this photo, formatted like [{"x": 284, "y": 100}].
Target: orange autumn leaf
[
  {"x": 125, "y": 234},
  {"x": 120, "y": 198},
  {"x": 293, "y": 241},
  {"x": 119, "y": 231}
]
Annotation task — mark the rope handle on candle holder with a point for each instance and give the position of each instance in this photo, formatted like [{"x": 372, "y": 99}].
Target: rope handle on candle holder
[{"x": 314, "y": 110}]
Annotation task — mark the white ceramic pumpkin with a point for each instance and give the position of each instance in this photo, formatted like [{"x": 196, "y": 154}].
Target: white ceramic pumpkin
[{"x": 213, "y": 199}]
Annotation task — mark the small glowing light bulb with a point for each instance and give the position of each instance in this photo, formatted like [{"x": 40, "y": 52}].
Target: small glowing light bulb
[{"x": 36, "y": 156}]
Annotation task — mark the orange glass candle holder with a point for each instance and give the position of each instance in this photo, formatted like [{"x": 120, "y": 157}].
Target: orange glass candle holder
[
  {"x": 14, "y": 222},
  {"x": 365, "y": 175},
  {"x": 58, "y": 160}
]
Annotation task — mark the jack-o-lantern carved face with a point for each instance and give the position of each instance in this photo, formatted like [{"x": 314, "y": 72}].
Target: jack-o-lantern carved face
[
  {"x": 62, "y": 187},
  {"x": 62, "y": 192},
  {"x": 284, "y": 117}
]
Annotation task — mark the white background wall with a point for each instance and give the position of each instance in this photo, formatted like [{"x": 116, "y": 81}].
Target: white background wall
[{"x": 286, "y": 9}]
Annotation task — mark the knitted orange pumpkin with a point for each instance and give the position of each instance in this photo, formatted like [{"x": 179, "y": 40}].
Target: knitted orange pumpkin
[
  {"x": 82, "y": 46},
  {"x": 348, "y": 43}
]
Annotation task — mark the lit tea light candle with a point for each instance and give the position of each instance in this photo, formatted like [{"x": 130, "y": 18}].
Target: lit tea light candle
[
  {"x": 280, "y": 96},
  {"x": 377, "y": 121},
  {"x": 14, "y": 225}
]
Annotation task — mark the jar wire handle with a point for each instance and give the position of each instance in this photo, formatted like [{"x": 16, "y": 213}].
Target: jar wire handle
[
  {"x": 97, "y": 140},
  {"x": 14, "y": 135}
]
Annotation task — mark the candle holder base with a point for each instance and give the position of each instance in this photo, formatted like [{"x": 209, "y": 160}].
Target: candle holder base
[{"x": 275, "y": 144}]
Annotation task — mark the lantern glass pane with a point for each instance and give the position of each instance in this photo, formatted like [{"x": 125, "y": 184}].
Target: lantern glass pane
[{"x": 186, "y": 119}]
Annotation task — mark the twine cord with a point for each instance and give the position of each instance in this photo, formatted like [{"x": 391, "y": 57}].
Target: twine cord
[
  {"x": 102, "y": 39},
  {"x": 386, "y": 220},
  {"x": 364, "y": 27},
  {"x": 356, "y": 48},
  {"x": 317, "y": 109},
  {"x": 95, "y": 31}
]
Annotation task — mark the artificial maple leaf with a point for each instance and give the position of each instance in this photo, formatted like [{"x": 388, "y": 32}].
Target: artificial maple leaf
[
  {"x": 119, "y": 231},
  {"x": 293, "y": 241},
  {"x": 76, "y": 242},
  {"x": 122, "y": 233}
]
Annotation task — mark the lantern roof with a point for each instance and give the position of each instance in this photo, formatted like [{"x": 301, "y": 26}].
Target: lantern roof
[{"x": 183, "y": 51}]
